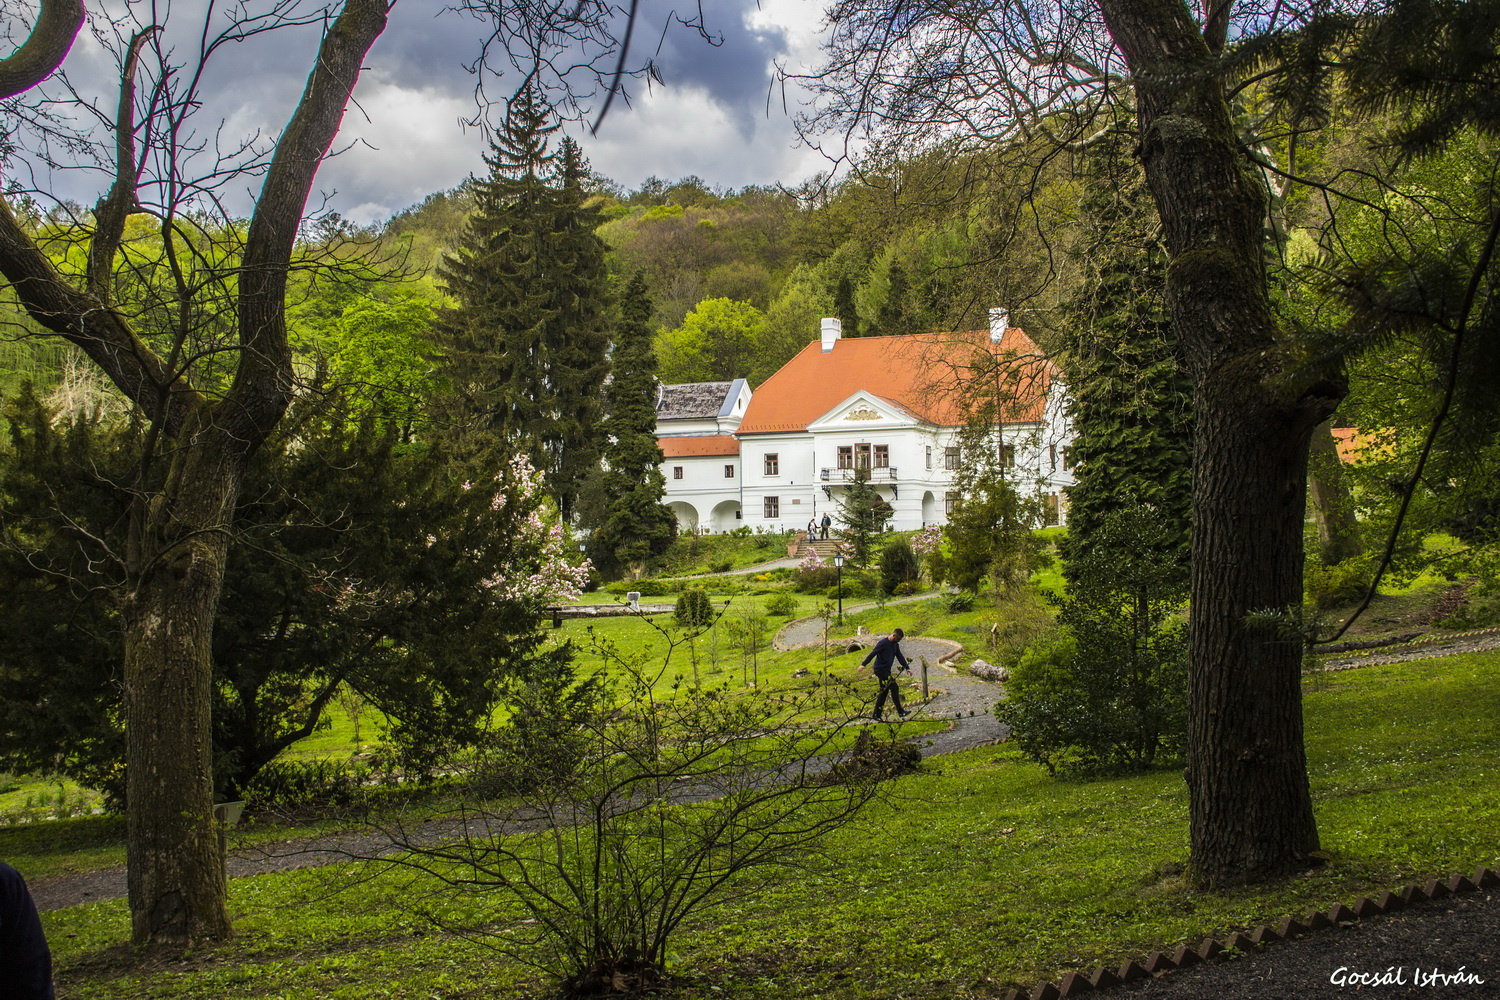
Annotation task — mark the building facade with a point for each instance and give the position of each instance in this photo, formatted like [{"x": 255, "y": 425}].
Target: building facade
[
  {"x": 695, "y": 425},
  {"x": 893, "y": 407}
]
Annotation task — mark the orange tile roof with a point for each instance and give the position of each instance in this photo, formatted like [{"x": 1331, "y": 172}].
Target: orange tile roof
[
  {"x": 921, "y": 373},
  {"x": 688, "y": 447},
  {"x": 1354, "y": 444}
]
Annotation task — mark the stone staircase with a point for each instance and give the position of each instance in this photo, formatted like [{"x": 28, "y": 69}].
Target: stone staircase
[{"x": 823, "y": 547}]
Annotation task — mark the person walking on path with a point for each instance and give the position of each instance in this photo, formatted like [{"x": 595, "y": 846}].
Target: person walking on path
[
  {"x": 885, "y": 652},
  {"x": 827, "y": 523},
  {"x": 25, "y": 960}
]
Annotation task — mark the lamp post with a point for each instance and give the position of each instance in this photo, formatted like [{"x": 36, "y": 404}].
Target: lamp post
[{"x": 838, "y": 560}]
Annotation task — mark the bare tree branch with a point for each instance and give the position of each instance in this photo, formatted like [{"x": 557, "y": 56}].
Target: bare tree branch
[{"x": 57, "y": 24}]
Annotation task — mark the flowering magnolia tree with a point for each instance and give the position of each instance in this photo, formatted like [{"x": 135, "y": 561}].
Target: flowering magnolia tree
[
  {"x": 928, "y": 545},
  {"x": 545, "y": 549}
]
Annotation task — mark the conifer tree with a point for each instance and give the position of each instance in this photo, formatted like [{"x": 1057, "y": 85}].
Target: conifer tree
[
  {"x": 844, "y": 307},
  {"x": 633, "y": 525},
  {"x": 525, "y": 350}
]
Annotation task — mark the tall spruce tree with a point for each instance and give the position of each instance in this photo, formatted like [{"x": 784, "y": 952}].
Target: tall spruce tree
[
  {"x": 633, "y": 523},
  {"x": 1130, "y": 397},
  {"x": 525, "y": 351}
]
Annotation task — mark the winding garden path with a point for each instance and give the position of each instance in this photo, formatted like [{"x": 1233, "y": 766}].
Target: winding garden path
[{"x": 956, "y": 696}]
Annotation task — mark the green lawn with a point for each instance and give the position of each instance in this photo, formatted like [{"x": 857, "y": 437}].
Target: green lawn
[{"x": 979, "y": 874}]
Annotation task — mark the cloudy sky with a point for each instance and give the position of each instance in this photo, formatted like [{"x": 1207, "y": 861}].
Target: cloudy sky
[{"x": 714, "y": 113}]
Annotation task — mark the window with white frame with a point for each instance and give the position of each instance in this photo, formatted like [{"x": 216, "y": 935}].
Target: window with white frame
[
  {"x": 882, "y": 456},
  {"x": 728, "y": 472},
  {"x": 1008, "y": 456},
  {"x": 772, "y": 464},
  {"x": 846, "y": 456},
  {"x": 676, "y": 472},
  {"x": 772, "y": 507},
  {"x": 948, "y": 501},
  {"x": 929, "y": 456},
  {"x": 950, "y": 458}
]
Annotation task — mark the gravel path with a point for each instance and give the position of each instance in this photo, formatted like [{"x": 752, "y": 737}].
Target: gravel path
[{"x": 1380, "y": 957}]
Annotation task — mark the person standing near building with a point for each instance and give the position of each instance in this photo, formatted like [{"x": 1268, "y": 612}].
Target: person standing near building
[
  {"x": 25, "y": 960},
  {"x": 827, "y": 523},
  {"x": 885, "y": 654}
]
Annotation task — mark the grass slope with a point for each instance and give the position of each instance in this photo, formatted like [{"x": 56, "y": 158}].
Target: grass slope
[{"x": 980, "y": 874}]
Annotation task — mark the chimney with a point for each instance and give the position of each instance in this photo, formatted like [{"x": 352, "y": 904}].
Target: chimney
[
  {"x": 999, "y": 320},
  {"x": 831, "y": 330}
]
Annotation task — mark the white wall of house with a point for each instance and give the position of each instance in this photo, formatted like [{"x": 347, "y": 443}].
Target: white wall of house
[{"x": 704, "y": 491}]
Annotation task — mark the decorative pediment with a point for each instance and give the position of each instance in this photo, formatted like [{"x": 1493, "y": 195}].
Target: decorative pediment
[{"x": 862, "y": 410}]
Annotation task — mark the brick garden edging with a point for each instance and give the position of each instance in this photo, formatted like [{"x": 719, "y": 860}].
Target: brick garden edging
[{"x": 1159, "y": 963}]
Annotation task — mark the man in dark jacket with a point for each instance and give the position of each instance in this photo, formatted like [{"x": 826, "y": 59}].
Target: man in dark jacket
[
  {"x": 885, "y": 653},
  {"x": 25, "y": 961}
]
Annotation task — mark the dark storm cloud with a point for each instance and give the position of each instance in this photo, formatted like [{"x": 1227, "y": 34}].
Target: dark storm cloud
[
  {"x": 735, "y": 73},
  {"x": 708, "y": 117}
]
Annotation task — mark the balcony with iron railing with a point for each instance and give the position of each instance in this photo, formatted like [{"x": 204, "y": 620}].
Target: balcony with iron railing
[{"x": 882, "y": 474}]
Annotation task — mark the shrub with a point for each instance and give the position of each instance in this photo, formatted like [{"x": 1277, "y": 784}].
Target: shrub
[
  {"x": 1328, "y": 587},
  {"x": 605, "y": 901},
  {"x": 305, "y": 786},
  {"x": 782, "y": 604},
  {"x": 721, "y": 567},
  {"x": 898, "y": 565},
  {"x": 1118, "y": 696},
  {"x": 814, "y": 575},
  {"x": 906, "y": 587},
  {"x": 694, "y": 609},
  {"x": 961, "y": 602}
]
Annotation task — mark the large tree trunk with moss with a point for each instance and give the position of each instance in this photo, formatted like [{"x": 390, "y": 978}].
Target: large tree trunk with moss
[{"x": 1251, "y": 814}]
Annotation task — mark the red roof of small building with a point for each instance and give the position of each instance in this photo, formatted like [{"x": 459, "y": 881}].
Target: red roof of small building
[
  {"x": 924, "y": 374},
  {"x": 689, "y": 447}
]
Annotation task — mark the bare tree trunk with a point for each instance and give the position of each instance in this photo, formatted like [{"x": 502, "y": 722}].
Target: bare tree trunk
[
  {"x": 175, "y": 870},
  {"x": 1251, "y": 811},
  {"x": 1333, "y": 506}
]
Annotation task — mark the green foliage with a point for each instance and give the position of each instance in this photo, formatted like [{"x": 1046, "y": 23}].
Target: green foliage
[
  {"x": 1329, "y": 587},
  {"x": 718, "y": 340},
  {"x": 355, "y": 562},
  {"x": 990, "y": 534},
  {"x": 960, "y": 603},
  {"x": 1111, "y": 691},
  {"x": 694, "y": 609},
  {"x": 898, "y": 566},
  {"x": 781, "y": 604},
  {"x": 630, "y": 525}
]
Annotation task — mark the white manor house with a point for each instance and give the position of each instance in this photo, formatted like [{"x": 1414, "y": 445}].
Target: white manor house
[{"x": 777, "y": 458}]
